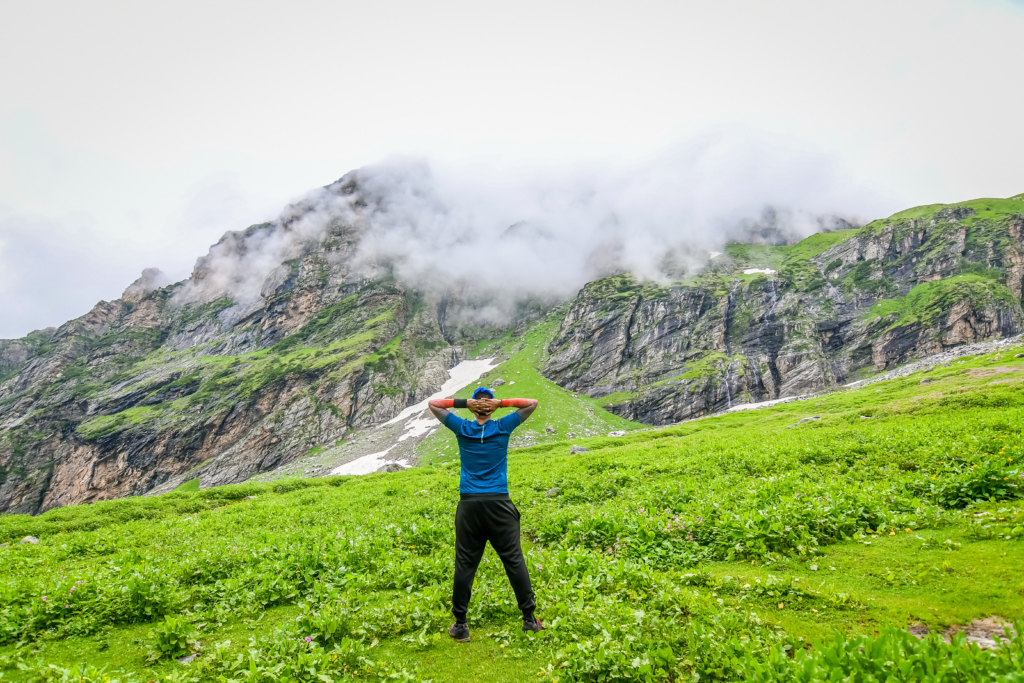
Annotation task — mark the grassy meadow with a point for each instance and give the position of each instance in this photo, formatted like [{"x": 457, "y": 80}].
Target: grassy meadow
[{"x": 738, "y": 547}]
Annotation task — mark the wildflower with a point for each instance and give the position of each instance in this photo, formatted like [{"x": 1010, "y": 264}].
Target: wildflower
[
  {"x": 66, "y": 606},
  {"x": 44, "y": 598},
  {"x": 308, "y": 639}
]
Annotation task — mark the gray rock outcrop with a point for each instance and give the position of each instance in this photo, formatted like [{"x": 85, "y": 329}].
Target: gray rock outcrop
[{"x": 662, "y": 353}]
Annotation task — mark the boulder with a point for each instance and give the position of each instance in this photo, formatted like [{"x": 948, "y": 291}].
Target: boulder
[
  {"x": 552, "y": 493},
  {"x": 29, "y": 539},
  {"x": 618, "y": 433},
  {"x": 498, "y": 383},
  {"x": 806, "y": 419},
  {"x": 578, "y": 449},
  {"x": 551, "y": 430}
]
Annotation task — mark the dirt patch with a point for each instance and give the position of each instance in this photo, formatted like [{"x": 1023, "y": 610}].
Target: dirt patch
[
  {"x": 919, "y": 631},
  {"x": 982, "y": 632},
  {"x": 988, "y": 372}
]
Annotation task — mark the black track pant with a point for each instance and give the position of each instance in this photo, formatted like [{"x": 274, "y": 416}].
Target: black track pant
[{"x": 480, "y": 518}]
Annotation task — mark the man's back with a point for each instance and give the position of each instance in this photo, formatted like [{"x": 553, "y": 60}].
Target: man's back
[{"x": 483, "y": 450}]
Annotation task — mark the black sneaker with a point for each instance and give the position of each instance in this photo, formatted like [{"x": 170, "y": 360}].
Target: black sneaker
[
  {"x": 533, "y": 625},
  {"x": 460, "y": 632}
]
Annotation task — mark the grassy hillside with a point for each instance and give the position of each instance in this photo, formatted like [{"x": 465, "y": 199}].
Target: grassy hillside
[
  {"x": 564, "y": 412},
  {"x": 560, "y": 410},
  {"x": 929, "y": 301},
  {"x": 741, "y": 547}
]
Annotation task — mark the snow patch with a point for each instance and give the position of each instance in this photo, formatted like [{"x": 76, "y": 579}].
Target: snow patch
[
  {"x": 767, "y": 404},
  {"x": 458, "y": 377},
  {"x": 418, "y": 426},
  {"x": 367, "y": 464},
  {"x": 766, "y": 271},
  {"x": 716, "y": 254}
]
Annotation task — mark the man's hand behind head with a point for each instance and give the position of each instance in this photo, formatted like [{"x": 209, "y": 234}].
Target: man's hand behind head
[{"x": 483, "y": 407}]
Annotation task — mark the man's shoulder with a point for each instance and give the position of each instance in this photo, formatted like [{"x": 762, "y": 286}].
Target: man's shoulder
[
  {"x": 509, "y": 422},
  {"x": 453, "y": 421}
]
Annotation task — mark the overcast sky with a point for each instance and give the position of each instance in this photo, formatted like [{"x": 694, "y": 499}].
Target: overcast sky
[{"x": 134, "y": 134}]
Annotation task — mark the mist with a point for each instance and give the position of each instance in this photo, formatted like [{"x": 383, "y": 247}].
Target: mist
[{"x": 505, "y": 235}]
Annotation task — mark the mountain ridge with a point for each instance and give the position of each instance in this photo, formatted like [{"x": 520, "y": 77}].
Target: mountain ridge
[{"x": 178, "y": 380}]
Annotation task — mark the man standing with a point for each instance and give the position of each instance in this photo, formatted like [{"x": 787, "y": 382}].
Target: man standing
[{"x": 485, "y": 512}]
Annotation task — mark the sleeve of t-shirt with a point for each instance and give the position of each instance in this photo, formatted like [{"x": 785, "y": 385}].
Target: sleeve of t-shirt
[
  {"x": 509, "y": 422},
  {"x": 453, "y": 422}
]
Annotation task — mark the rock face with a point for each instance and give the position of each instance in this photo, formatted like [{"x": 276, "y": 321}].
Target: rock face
[
  {"x": 285, "y": 338},
  {"x": 830, "y": 308},
  {"x": 238, "y": 370}
]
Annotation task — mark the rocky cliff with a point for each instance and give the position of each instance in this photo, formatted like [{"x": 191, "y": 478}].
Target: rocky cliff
[
  {"x": 765, "y": 322},
  {"x": 283, "y": 341},
  {"x": 218, "y": 377}
]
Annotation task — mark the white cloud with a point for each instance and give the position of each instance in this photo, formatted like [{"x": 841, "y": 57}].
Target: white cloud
[
  {"x": 169, "y": 124},
  {"x": 544, "y": 232}
]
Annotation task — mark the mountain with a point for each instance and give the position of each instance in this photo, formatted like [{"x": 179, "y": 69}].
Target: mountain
[
  {"x": 763, "y": 322},
  {"x": 285, "y": 343}
]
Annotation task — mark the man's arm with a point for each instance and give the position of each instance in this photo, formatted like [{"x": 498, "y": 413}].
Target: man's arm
[
  {"x": 526, "y": 407},
  {"x": 439, "y": 406}
]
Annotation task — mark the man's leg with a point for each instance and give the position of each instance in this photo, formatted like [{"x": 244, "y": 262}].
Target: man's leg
[
  {"x": 503, "y": 525},
  {"x": 470, "y": 540}
]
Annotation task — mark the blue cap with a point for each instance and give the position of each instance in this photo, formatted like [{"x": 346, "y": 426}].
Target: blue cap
[{"x": 483, "y": 390}]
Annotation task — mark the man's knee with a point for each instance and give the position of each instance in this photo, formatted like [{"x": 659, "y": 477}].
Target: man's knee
[{"x": 511, "y": 556}]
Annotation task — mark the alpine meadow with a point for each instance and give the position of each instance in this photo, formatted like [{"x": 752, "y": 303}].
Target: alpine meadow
[{"x": 794, "y": 459}]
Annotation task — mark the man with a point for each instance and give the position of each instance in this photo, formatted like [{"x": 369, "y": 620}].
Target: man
[{"x": 485, "y": 512}]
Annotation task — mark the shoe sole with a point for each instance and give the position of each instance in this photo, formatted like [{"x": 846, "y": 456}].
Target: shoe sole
[{"x": 457, "y": 639}]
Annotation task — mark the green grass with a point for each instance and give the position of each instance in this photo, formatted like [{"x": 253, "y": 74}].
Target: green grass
[
  {"x": 710, "y": 548},
  {"x": 190, "y": 486},
  {"x": 105, "y": 424},
  {"x": 930, "y": 300},
  {"x": 710, "y": 365},
  {"x": 991, "y": 209},
  {"x": 776, "y": 257},
  {"x": 564, "y": 411},
  {"x": 819, "y": 243}
]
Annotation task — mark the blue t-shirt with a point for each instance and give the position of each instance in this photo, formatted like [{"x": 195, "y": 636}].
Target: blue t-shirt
[{"x": 483, "y": 450}]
